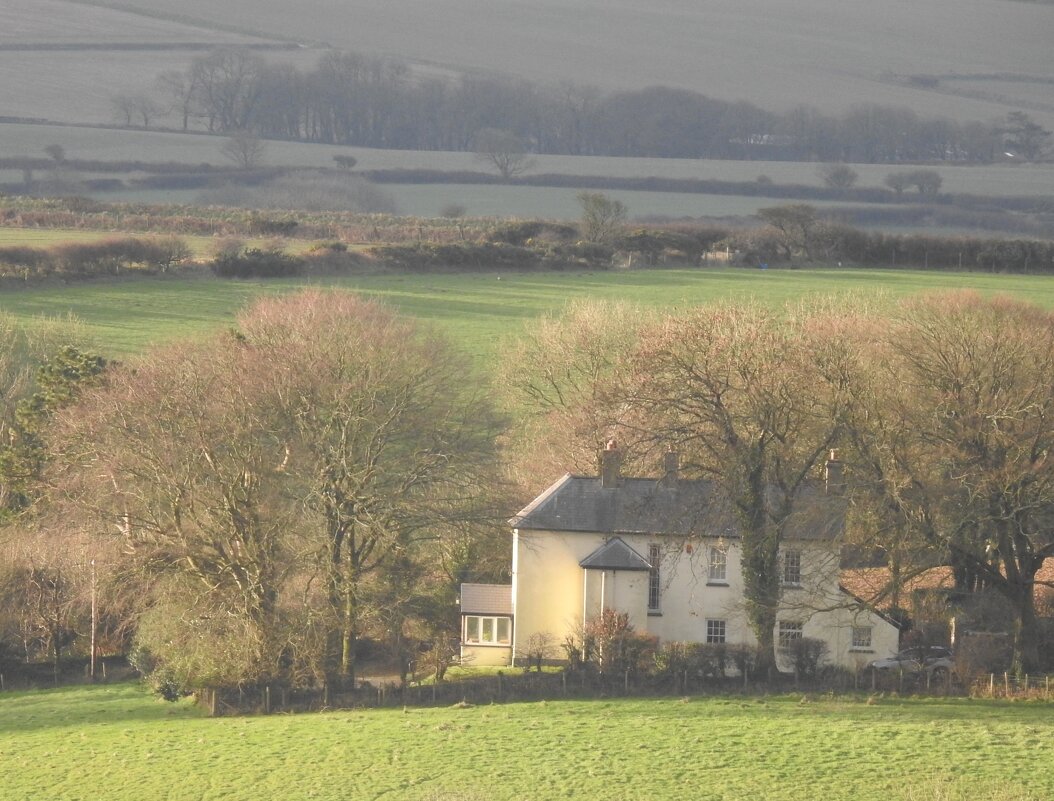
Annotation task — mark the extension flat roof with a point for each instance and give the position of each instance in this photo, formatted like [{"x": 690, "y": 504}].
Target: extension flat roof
[{"x": 486, "y": 599}]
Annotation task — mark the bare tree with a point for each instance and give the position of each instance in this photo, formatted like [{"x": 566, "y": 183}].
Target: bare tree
[
  {"x": 56, "y": 152},
  {"x": 898, "y": 181},
  {"x": 796, "y": 225},
  {"x": 181, "y": 90},
  {"x": 176, "y": 459},
  {"x": 135, "y": 109},
  {"x": 602, "y": 216},
  {"x": 225, "y": 85},
  {"x": 561, "y": 372},
  {"x": 268, "y": 476},
  {"x": 952, "y": 424},
  {"x": 245, "y": 149},
  {"x": 392, "y": 450},
  {"x": 927, "y": 182},
  {"x": 754, "y": 400},
  {"x": 503, "y": 150},
  {"x": 1025, "y": 137},
  {"x": 838, "y": 176}
]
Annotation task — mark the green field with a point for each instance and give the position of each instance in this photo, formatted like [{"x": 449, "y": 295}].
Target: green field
[
  {"x": 119, "y": 744},
  {"x": 108, "y": 144},
  {"x": 543, "y": 202},
  {"x": 477, "y": 310}
]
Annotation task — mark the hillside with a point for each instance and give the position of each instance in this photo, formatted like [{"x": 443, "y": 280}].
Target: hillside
[{"x": 965, "y": 59}]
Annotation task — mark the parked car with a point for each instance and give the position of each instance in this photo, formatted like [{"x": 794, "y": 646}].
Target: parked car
[{"x": 933, "y": 659}]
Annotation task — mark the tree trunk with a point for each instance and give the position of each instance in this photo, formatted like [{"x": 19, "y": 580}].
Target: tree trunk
[
  {"x": 761, "y": 579},
  {"x": 349, "y": 637},
  {"x": 333, "y": 658},
  {"x": 1025, "y": 631}
]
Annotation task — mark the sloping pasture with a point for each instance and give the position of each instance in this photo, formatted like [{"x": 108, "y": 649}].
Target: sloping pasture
[
  {"x": 476, "y": 310},
  {"x": 121, "y": 744}
]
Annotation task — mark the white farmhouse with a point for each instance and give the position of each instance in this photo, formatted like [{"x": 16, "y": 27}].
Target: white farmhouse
[{"x": 665, "y": 552}]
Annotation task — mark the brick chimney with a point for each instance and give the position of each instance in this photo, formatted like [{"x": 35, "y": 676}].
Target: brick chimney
[
  {"x": 832, "y": 474},
  {"x": 671, "y": 469},
  {"x": 610, "y": 465}
]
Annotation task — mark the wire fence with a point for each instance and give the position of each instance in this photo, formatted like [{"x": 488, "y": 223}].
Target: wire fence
[
  {"x": 516, "y": 686},
  {"x": 1010, "y": 685}
]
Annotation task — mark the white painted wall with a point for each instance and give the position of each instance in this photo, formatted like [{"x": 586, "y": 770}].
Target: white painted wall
[{"x": 552, "y": 594}]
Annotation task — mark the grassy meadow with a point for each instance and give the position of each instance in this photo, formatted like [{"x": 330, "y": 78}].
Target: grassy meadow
[
  {"x": 476, "y": 310},
  {"x": 197, "y": 148},
  {"x": 121, "y": 744},
  {"x": 493, "y": 200}
]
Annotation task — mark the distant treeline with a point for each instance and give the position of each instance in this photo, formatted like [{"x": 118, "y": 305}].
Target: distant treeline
[{"x": 366, "y": 101}]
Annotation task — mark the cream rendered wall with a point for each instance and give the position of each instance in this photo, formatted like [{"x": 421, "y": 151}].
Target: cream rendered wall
[
  {"x": 550, "y": 591},
  {"x": 622, "y": 590},
  {"x": 547, "y": 584},
  {"x": 486, "y": 655}
]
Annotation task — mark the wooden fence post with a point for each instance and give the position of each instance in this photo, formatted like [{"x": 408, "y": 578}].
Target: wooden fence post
[
  {"x": 267, "y": 699},
  {"x": 1006, "y": 684}
]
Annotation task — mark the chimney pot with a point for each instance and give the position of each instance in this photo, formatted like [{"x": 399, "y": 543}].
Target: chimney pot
[
  {"x": 610, "y": 465},
  {"x": 833, "y": 475},
  {"x": 671, "y": 469}
]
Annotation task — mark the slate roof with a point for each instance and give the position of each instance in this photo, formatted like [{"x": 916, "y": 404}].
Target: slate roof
[
  {"x": 690, "y": 507},
  {"x": 486, "y": 599},
  {"x": 615, "y": 555}
]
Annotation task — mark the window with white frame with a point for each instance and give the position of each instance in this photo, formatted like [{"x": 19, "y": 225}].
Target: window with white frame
[
  {"x": 718, "y": 565},
  {"x": 481, "y": 630},
  {"x": 715, "y": 631},
  {"x": 788, "y": 632},
  {"x": 792, "y": 567},
  {"x": 654, "y": 578},
  {"x": 861, "y": 636}
]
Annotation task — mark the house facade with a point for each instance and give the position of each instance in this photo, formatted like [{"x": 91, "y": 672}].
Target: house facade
[{"x": 666, "y": 552}]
